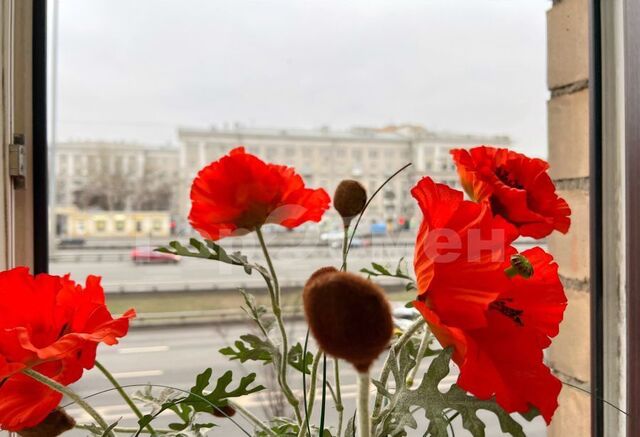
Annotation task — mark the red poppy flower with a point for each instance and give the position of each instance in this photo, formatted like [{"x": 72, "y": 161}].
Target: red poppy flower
[
  {"x": 239, "y": 193},
  {"x": 498, "y": 326},
  {"x": 460, "y": 251},
  {"x": 53, "y": 325},
  {"x": 517, "y": 187}
]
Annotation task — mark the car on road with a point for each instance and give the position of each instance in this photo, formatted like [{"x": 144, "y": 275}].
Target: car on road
[
  {"x": 403, "y": 317},
  {"x": 335, "y": 239},
  {"x": 71, "y": 243},
  {"x": 148, "y": 255}
]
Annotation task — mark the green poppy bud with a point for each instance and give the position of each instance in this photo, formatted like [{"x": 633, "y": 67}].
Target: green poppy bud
[{"x": 520, "y": 265}]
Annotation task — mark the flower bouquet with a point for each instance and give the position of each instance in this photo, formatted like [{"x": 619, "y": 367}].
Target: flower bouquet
[{"x": 482, "y": 308}]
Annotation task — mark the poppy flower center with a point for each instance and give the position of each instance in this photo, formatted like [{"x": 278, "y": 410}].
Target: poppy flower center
[
  {"x": 64, "y": 330},
  {"x": 254, "y": 216},
  {"x": 507, "y": 178},
  {"x": 512, "y": 313}
]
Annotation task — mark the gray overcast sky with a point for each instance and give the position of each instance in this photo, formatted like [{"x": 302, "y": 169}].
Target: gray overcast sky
[{"x": 135, "y": 70}]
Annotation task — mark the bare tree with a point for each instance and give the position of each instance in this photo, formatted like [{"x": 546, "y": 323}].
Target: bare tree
[
  {"x": 154, "y": 191},
  {"x": 105, "y": 192},
  {"x": 112, "y": 186}
]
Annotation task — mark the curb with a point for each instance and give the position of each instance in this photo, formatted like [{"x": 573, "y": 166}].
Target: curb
[{"x": 191, "y": 318}]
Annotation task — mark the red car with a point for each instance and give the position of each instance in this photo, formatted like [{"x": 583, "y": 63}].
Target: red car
[{"x": 147, "y": 255}]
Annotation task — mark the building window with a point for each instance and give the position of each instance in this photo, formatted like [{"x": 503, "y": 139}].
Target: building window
[
  {"x": 92, "y": 163},
  {"x": 101, "y": 225},
  {"x": 62, "y": 165},
  {"x": 120, "y": 225},
  {"x": 119, "y": 165},
  {"x": 373, "y": 153},
  {"x": 132, "y": 165},
  {"x": 157, "y": 225}
]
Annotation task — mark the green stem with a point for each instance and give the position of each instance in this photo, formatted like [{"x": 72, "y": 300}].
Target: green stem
[
  {"x": 338, "y": 400},
  {"x": 386, "y": 368},
  {"x": 264, "y": 331},
  {"x": 70, "y": 394},
  {"x": 345, "y": 248},
  {"x": 364, "y": 419},
  {"x": 370, "y": 199},
  {"x": 511, "y": 271},
  {"x": 123, "y": 430},
  {"x": 274, "y": 291},
  {"x": 312, "y": 394},
  {"x": 324, "y": 394},
  {"x": 378, "y": 418},
  {"x": 336, "y": 365},
  {"x": 421, "y": 350},
  {"x": 272, "y": 270},
  {"x": 251, "y": 418},
  {"x": 124, "y": 395}
]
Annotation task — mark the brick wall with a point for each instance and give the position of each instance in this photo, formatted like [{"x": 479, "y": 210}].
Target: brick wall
[{"x": 568, "y": 121}]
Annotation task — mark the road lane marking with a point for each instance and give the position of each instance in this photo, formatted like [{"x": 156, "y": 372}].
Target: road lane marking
[
  {"x": 138, "y": 374},
  {"x": 142, "y": 349}
]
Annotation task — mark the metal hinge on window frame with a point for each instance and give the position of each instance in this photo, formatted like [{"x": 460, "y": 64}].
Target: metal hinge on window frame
[{"x": 17, "y": 161}]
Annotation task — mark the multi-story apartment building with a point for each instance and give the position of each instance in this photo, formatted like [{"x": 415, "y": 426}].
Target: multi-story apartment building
[
  {"x": 130, "y": 172},
  {"x": 324, "y": 157}
]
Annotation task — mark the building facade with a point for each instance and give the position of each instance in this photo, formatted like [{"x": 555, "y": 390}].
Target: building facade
[
  {"x": 115, "y": 224},
  {"x": 78, "y": 165},
  {"x": 126, "y": 173},
  {"x": 325, "y": 157}
]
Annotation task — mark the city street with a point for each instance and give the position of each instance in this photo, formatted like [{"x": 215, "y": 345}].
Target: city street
[
  {"x": 174, "y": 356},
  {"x": 293, "y": 264}
]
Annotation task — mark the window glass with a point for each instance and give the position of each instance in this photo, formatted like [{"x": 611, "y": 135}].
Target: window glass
[
  {"x": 100, "y": 225},
  {"x": 148, "y": 93},
  {"x": 120, "y": 225}
]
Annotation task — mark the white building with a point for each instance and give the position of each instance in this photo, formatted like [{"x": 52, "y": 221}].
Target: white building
[
  {"x": 78, "y": 163},
  {"x": 322, "y": 156},
  {"x": 325, "y": 157}
]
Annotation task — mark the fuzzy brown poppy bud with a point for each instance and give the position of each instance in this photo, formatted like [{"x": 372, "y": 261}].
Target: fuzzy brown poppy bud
[
  {"x": 56, "y": 423},
  {"x": 349, "y": 199},
  {"x": 349, "y": 316},
  {"x": 321, "y": 272}
]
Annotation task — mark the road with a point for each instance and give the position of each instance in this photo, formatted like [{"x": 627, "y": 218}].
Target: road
[
  {"x": 294, "y": 265},
  {"x": 174, "y": 356}
]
